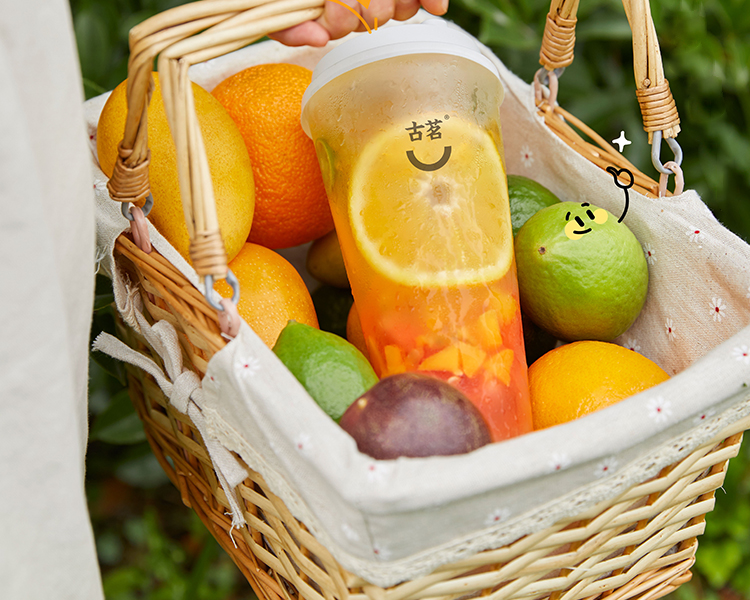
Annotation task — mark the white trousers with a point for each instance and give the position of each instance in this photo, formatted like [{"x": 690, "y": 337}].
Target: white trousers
[{"x": 46, "y": 296}]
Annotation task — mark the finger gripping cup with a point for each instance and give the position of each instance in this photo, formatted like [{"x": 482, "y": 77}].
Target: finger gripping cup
[{"x": 406, "y": 126}]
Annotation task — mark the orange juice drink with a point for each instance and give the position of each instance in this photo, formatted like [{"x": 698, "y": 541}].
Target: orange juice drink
[{"x": 416, "y": 182}]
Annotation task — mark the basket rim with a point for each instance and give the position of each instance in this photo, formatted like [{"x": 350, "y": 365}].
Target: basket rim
[
  {"x": 682, "y": 447},
  {"x": 581, "y": 522}
]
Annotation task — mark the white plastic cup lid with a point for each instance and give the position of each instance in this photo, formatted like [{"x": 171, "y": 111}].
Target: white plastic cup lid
[{"x": 432, "y": 36}]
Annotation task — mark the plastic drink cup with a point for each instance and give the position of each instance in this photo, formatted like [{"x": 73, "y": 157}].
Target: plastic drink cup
[{"x": 406, "y": 126}]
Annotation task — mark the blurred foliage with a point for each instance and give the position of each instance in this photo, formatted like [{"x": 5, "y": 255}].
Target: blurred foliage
[
  {"x": 101, "y": 30},
  {"x": 724, "y": 549},
  {"x": 151, "y": 546}
]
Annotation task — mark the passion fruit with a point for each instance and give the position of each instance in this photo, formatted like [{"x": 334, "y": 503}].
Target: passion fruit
[{"x": 414, "y": 415}]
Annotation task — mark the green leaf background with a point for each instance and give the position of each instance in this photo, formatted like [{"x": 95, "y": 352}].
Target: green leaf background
[{"x": 151, "y": 546}]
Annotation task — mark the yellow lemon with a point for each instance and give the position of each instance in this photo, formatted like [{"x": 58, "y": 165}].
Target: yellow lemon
[
  {"x": 433, "y": 212},
  {"x": 228, "y": 161}
]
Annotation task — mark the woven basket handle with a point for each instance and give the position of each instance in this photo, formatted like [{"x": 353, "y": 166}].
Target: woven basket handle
[
  {"x": 181, "y": 37},
  {"x": 658, "y": 107}
]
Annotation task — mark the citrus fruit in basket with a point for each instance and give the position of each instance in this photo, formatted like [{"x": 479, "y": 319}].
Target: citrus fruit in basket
[
  {"x": 416, "y": 415},
  {"x": 438, "y": 227},
  {"x": 332, "y": 371},
  {"x": 527, "y": 197},
  {"x": 354, "y": 333},
  {"x": 579, "y": 378},
  {"x": 581, "y": 274},
  {"x": 271, "y": 292},
  {"x": 325, "y": 261},
  {"x": 291, "y": 206},
  {"x": 228, "y": 161}
]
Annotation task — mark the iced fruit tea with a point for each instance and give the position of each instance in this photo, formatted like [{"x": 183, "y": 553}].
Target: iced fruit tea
[{"x": 424, "y": 224}]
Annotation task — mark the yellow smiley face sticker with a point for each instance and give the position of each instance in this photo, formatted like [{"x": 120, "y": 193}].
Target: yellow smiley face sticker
[{"x": 579, "y": 225}]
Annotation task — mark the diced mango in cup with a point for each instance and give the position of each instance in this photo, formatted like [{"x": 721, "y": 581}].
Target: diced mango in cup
[
  {"x": 414, "y": 358},
  {"x": 506, "y": 307},
  {"x": 498, "y": 365},
  {"x": 432, "y": 341},
  {"x": 448, "y": 359},
  {"x": 489, "y": 334},
  {"x": 472, "y": 358},
  {"x": 484, "y": 332},
  {"x": 394, "y": 360}
]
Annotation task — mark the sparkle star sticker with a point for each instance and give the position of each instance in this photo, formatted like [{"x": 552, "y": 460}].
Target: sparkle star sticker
[{"x": 622, "y": 141}]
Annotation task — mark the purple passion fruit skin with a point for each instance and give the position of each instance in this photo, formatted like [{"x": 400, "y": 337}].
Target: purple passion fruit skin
[{"x": 414, "y": 415}]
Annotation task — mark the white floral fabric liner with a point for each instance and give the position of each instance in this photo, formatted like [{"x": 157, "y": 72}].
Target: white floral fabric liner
[{"x": 389, "y": 521}]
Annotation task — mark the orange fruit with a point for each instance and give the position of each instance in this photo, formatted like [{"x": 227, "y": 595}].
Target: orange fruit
[
  {"x": 580, "y": 378},
  {"x": 291, "y": 206},
  {"x": 354, "y": 334},
  {"x": 231, "y": 173},
  {"x": 271, "y": 292}
]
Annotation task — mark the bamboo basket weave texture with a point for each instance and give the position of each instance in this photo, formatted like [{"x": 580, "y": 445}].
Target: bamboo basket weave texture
[{"x": 640, "y": 544}]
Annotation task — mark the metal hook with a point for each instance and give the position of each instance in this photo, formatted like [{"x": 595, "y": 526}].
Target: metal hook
[
  {"x": 231, "y": 279},
  {"x": 542, "y": 78},
  {"x": 656, "y": 152},
  {"x": 679, "y": 180},
  {"x": 542, "y": 75},
  {"x": 125, "y": 208}
]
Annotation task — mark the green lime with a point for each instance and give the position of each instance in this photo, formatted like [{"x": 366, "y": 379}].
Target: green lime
[
  {"x": 332, "y": 305},
  {"x": 332, "y": 371},
  {"x": 527, "y": 197},
  {"x": 581, "y": 274}
]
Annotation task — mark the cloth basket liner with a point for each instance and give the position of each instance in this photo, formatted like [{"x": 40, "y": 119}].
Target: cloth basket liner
[{"x": 390, "y": 521}]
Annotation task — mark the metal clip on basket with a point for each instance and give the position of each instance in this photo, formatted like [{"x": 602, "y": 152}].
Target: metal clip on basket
[{"x": 658, "y": 108}]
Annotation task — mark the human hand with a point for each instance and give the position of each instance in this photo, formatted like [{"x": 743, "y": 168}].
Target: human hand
[{"x": 337, "y": 21}]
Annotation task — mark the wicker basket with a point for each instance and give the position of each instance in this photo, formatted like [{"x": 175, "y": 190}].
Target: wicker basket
[{"x": 640, "y": 544}]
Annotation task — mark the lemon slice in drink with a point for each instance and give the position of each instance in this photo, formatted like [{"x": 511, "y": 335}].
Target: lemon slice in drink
[{"x": 433, "y": 211}]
